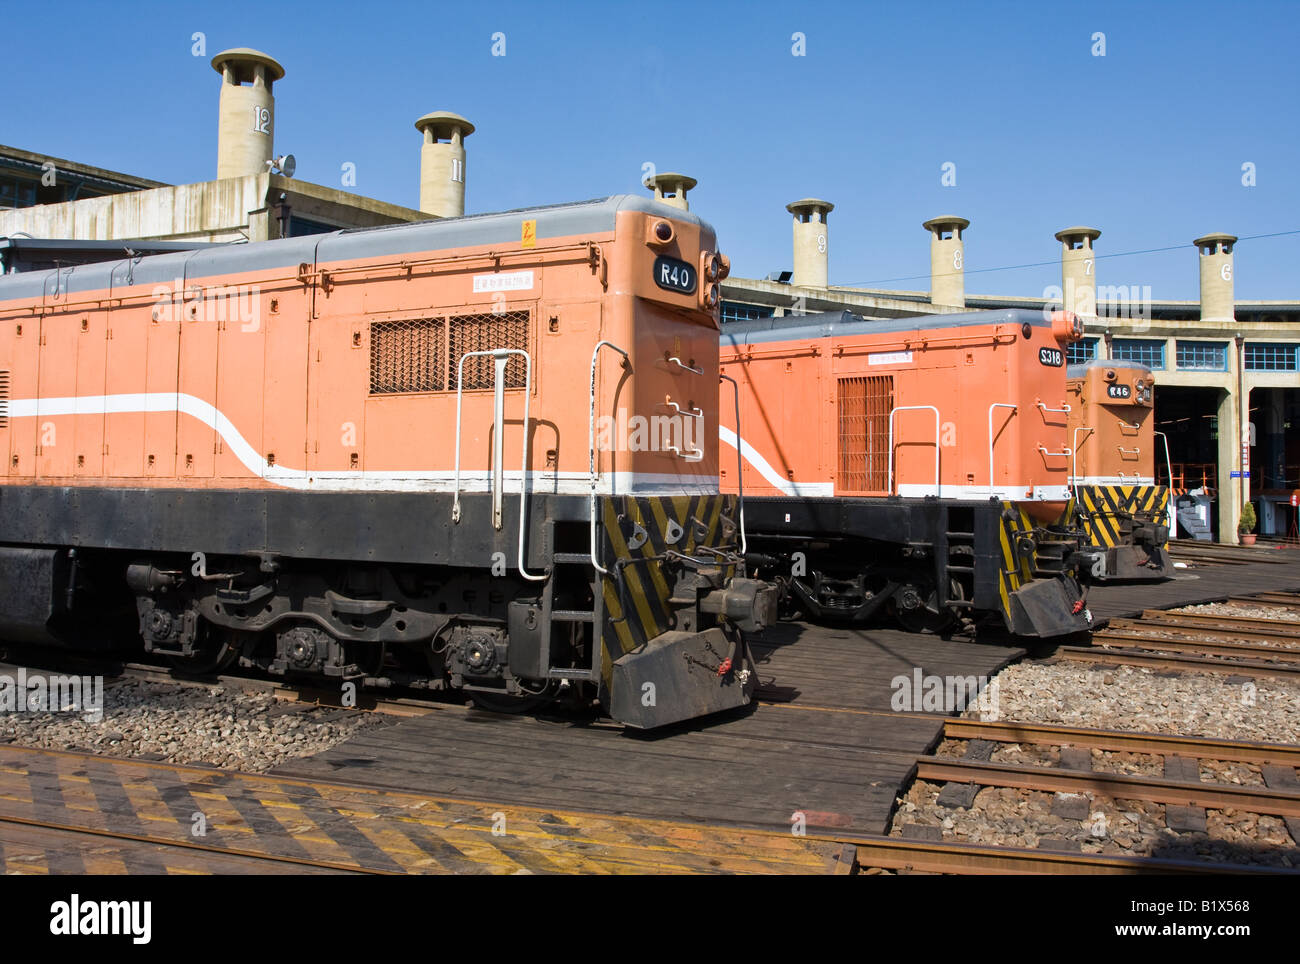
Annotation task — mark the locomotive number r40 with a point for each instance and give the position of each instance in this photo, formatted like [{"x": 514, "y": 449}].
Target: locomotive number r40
[{"x": 674, "y": 275}]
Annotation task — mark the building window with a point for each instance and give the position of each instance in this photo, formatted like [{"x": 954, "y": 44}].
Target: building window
[
  {"x": 17, "y": 192},
  {"x": 731, "y": 311},
  {"x": 1202, "y": 356},
  {"x": 1270, "y": 358},
  {"x": 301, "y": 227},
  {"x": 1144, "y": 351},
  {"x": 1081, "y": 352}
]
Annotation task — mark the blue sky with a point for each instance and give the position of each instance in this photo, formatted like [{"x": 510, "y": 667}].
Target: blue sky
[{"x": 1147, "y": 143}]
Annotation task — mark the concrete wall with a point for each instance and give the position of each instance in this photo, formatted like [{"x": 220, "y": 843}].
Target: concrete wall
[
  {"x": 230, "y": 209},
  {"x": 210, "y": 211}
]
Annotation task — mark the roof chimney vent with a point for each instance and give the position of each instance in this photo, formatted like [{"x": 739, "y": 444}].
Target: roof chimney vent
[
  {"x": 811, "y": 241},
  {"x": 1216, "y": 277},
  {"x": 246, "y": 114},
  {"x": 1079, "y": 270},
  {"x": 442, "y": 163},
  {"x": 947, "y": 261}
]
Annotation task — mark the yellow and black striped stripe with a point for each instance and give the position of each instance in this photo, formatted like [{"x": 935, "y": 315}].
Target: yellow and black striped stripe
[
  {"x": 1104, "y": 510},
  {"x": 639, "y": 609},
  {"x": 1017, "y": 566}
]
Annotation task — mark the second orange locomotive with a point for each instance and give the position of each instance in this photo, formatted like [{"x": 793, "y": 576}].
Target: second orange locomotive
[
  {"x": 1121, "y": 512},
  {"x": 919, "y": 465}
]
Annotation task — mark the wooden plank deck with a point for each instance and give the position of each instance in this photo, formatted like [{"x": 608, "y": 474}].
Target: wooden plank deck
[
  {"x": 852, "y": 668},
  {"x": 822, "y": 742}
]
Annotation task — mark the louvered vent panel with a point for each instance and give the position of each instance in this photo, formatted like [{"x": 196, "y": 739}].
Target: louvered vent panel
[
  {"x": 484, "y": 333},
  {"x": 408, "y": 356},
  {"x": 864, "y": 407}
]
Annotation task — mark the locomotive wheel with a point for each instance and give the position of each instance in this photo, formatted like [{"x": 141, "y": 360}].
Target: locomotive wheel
[
  {"x": 922, "y": 620},
  {"x": 218, "y": 649}
]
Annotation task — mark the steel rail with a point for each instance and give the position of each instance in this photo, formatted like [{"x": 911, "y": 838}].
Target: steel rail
[
  {"x": 1216, "y": 796},
  {"x": 1122, "y": 640},
  {"x": 1195, "y": 664},
  {"x": 1186, "y": 630},
  {"x": 1280, "y": 627},
  {"x": 893, "y": 853},
  {"x": 1274, "y": 595},
  {"x": 1235, "y": 751}
]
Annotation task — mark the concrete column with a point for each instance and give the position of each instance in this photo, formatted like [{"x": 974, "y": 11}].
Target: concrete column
[
  {"x": 246, "y": 112},
  {"x": 1079, "y": 271},
  {"x": 1230, "y": 491},
  {"x": 947, "y": 261},
  {"x": 442, "y": 163},
  {"x": 811, "y": 241},
  {"x": 671, "y": 188}
]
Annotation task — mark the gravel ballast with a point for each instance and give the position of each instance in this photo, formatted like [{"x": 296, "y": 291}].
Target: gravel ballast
[
  {"x": 190, "y": 723},
  {"x": 1259, "y": 610},
  {"x": 1134, "y": 699}
]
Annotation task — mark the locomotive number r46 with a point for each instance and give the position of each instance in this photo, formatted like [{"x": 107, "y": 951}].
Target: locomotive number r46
[{"x": 1117, "y": 391}]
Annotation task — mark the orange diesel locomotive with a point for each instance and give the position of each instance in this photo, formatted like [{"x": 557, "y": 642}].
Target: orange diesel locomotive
[
  {"x": 917, "y": 463},
  {"x": 469, "y": 453},
  {"x": 1122, "y": 513}
]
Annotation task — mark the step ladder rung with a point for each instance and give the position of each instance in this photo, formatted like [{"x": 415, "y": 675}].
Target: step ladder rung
[
  {"x": 573, "y": 673},
  {"x": 571, "y": 559},
  {"x": 573, "y": 616}
]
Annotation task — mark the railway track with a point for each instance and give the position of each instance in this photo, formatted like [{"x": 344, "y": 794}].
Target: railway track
[
  {"x": 1181, "y": 791},
  {"x": 1239, "y": 645},
  {"x": 1216, "y": 554},
  {"x": 940, "y": 857}
]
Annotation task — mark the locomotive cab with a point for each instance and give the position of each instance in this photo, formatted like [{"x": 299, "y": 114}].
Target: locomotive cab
[{"x": 1122, "y": 515}]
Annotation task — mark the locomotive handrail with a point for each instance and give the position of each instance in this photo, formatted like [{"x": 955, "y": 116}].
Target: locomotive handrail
[
  {"x": 695, "y": 413},
  {"x": 1074, "y": 452},
  {"x": 740, "y": 464},
  {"x": 1132, "y": 451},
  {"x": 1169, "y": 469},
  {"x": 489, "y": 259},
  {"x": 591, "y": 446},
  {"x": 909, "y": 408},
  {"x": 1014, "y": 409},
  {"x": 501, "y": 357},
  {"x": 747, "y": 351},
  {"x": 681, "y": 364},
  {"x": 1064, "y": 453},
  {"x": 1054, "y": 411}
]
